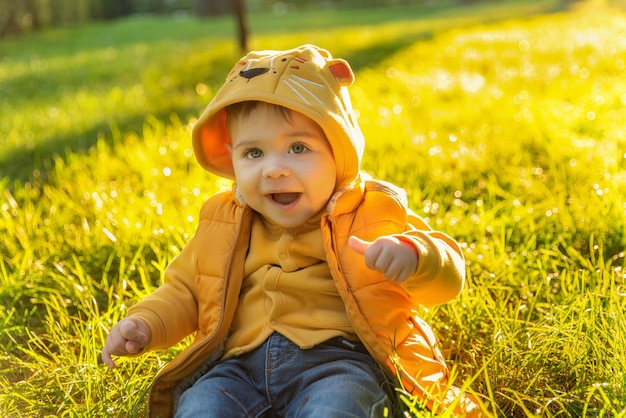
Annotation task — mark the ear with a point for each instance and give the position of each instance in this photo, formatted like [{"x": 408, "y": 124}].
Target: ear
[{"x": 341, "y": 70}]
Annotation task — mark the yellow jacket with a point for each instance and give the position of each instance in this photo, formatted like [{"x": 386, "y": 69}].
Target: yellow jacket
[{"x": 202, "y": 286}]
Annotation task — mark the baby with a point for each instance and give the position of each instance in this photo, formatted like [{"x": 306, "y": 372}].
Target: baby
[{"x": 302, "y": 283}]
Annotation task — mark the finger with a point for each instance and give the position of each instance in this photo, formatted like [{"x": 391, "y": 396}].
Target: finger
[
  {"x": 133, "y": 347},
  {"x": 366, "y": 249},
  {"x": 402, "y": 267},
  {"x": 115, "y": 344},
  {"x": 358, "y": 245},
  {"x": 106, "y": 358},
  {"x": 131, "y": 332},
  {"x": 383, "y": 262},
  {"x": 395, "y": 272}
]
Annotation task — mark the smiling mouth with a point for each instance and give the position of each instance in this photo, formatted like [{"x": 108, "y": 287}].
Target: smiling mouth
[{"x": 285, "y": 198}]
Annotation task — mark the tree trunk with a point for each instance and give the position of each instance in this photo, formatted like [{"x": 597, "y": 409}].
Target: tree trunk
[
  {"x": 33, "y": 11},
  {"x": 8, "y": 21},
  {"x": 242, "y": 24}
]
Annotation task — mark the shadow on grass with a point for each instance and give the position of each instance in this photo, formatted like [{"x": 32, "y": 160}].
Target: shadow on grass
[
  {"x": 23, "y": 164},
  {"x": 19, "y": 163}
]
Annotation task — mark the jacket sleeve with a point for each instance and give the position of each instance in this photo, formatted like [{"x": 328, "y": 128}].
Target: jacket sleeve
[
  {"x": 440, "y": 272},
  {"x": 171, "y": 311}
]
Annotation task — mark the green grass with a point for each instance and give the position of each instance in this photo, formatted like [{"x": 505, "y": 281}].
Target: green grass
[{"x": 506, "y": 125}]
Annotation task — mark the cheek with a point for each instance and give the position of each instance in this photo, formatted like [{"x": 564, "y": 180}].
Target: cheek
[
  {"x": 244, "y": 176},
  {"x": 243, "y": 167},
  {"x": 248, "y": 191},
  {"x": 325, "y": 180}
]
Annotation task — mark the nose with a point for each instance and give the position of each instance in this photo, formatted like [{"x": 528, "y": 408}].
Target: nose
[{"x": 275, "y": 167}]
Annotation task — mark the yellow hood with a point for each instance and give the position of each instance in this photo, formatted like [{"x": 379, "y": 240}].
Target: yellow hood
[{"x": 305, "y": 79}]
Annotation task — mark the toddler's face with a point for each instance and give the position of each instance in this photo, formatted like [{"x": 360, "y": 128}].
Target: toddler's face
[{"x": 285, "y": 169}]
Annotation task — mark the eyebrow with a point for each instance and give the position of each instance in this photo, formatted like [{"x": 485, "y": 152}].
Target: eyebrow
[{"x": 243, "y": 143}]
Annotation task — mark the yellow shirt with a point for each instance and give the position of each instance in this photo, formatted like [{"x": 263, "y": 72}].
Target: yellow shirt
[{"x": 287, "y": 288}]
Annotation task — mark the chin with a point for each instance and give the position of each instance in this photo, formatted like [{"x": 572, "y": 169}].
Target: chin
[{"x": 288, "y": 223}]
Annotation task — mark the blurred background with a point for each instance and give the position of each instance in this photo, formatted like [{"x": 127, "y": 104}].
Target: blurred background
[{"x": 18, "y": 17}]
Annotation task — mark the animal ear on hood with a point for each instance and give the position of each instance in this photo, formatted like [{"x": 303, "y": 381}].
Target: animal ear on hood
[{"x": 341, "y": 70}]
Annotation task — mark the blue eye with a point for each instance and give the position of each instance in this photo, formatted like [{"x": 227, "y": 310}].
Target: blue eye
[
  {"x": 298, "y": 148},
  {"x": 253, "y": 153}
]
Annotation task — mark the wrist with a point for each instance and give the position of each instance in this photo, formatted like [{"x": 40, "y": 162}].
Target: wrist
[{"x": 409, "y": 244}]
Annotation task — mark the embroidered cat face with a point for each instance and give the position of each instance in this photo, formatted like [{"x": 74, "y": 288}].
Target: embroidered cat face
[
  {"x": 294, "y": 61},
  {"x": 300, "y": 71}
]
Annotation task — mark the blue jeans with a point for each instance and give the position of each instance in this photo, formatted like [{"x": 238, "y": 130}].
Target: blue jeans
[{"x": 278, "y": 379}]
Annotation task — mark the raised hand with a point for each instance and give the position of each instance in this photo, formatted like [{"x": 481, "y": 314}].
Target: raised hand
[{"x": 393, "y": 257}]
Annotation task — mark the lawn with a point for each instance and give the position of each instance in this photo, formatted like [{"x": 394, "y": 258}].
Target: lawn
[{"x": 505, "y": 124}]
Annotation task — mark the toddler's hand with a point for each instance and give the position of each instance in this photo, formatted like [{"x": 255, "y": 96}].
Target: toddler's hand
[
  {"x": 396, "y": 259},
  {"x": 129, "y": 336}
]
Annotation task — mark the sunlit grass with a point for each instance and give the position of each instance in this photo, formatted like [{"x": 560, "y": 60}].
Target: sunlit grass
[{"x": 508, "y": 135}]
